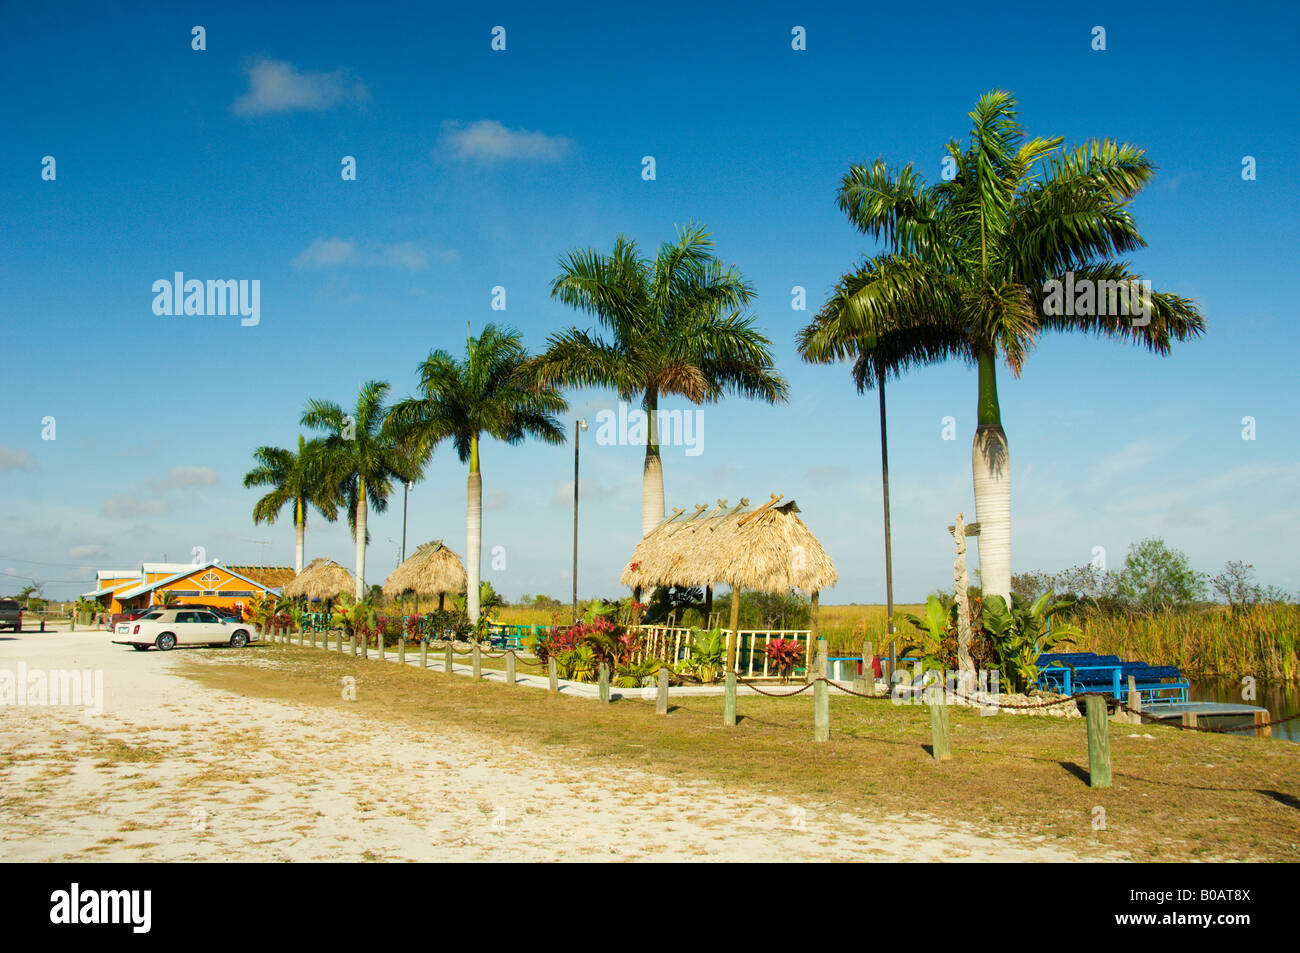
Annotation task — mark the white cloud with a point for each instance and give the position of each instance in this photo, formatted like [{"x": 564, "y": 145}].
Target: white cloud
[
  {"x": 497, "y": 500},
  {"x": 180, "y": 478},
  {"x": 343, "y": 252},
  {"x": 11, "y": 459},
  {"x": 89, "y": 551},
  {"x": 326, "y": 253},
  {"x": 490, "y": 141},
  {"x": 407, "y": 255},
  {"x": 275, "y": 86},
  {"x": 125, "y": 507}
]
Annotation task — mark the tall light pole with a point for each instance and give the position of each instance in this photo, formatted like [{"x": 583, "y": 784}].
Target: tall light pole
[
  {"x": 406, "y": 489},
  {"x": 578, "y": 427}
]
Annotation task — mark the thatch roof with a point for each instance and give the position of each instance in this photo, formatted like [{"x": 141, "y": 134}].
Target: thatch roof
[
  {"x": 431, "y": 570},
  {"x": 769, "y": 550},
  {"x": 322, "y": 579},
  {"x": 273, "y": 577}
]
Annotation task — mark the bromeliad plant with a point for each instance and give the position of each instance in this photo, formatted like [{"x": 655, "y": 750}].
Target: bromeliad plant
[{"x": 1021, "y": 634}]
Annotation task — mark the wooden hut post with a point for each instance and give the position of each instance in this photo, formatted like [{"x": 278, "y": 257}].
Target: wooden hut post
[
  {"x": 734, "y": 635},
  {"x": 708, "y": 604}
]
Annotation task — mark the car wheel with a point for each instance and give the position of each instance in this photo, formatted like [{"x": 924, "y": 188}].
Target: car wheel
[
  {"x": 140, "y": 648},
  {"x": 239, "y": 639},
  {"x": 166, "y": 641}
]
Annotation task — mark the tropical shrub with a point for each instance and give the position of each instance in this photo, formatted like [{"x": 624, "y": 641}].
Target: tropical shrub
[
  {"x": 1021, "y": 633},
  {"x": 784, "y": 655},
  {"x": 708, "y": 654},
  {"x": 631, "y": 674},
  {"x": 935, "y": 639}
]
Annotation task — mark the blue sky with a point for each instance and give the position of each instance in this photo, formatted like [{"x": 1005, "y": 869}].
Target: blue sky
[{"x": 478, "y": 168}]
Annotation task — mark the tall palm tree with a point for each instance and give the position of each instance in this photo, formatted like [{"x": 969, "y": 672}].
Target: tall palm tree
[
  {"x": 360, "y": 460},
  {"x": 676, "y": 326},
  {"x": 295, "y": 478},
  {"x": 485, "y": 394},
  {"x": 967, "y": 273}
]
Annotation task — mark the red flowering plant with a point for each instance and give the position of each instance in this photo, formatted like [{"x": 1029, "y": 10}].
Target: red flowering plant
[
  {"x": 414, "y": 628},
  {"x": 784, "y": 655}
]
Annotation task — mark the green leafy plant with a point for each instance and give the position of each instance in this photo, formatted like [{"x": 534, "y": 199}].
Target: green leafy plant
[
  {"x": 636, "y": 674},
  {"x": 1020, "y": 634},
  {"x": 708, "y": 654}
]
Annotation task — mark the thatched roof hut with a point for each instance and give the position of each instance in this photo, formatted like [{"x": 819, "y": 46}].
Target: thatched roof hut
[
  {"x": 431, "y": 570},
  {"x": 769, "y": 549},
  {"x": 322, "y": 579}
]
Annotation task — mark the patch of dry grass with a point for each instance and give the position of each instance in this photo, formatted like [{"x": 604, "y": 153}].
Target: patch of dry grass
[{"x": 1176, "y": 796}]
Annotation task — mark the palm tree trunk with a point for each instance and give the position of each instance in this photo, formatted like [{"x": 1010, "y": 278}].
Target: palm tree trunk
[
  {"x": 300, "y": 528},
  {"x": 991, "y": 466},
  {"x": 473, "y": 531},
  {"x": 652, "y": 475},
  {"x": 361, "y": 539}
]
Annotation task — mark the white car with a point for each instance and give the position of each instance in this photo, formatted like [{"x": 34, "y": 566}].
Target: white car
[{"x": 168, "y": 628}]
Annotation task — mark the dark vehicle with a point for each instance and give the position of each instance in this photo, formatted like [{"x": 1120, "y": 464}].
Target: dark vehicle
[
  {"x": 116, "y": 617},
  {"x": 11, "y": 614}
]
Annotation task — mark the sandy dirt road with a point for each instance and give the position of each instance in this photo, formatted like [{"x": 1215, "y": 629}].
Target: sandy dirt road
[{"x": 173, "y": 771}]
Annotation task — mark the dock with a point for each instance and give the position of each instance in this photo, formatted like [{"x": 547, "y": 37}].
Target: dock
[{"x": 1236, "y": 718}]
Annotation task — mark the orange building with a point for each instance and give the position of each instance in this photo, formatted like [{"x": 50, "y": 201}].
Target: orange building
[{"x": 209, "y": 583}]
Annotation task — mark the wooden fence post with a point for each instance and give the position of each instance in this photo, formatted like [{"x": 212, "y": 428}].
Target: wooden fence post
[
  {"x": 553, "y": 675},
  {"x": 1262, "y": 728},
  {"x": 661, "y": 701},
  {"x": 1134, "y": 701},
  {"x": 352, "y": 644},
  {"x": 478, "y": 660},
  {"x": 1189, "y": 719},
  {"x": 510, "y": 666},
  {"x": 940, "y": 739},
  {"x": 821, "y": 708},
  {"x": 1098, "y": 742},
  {"x": 729, "y": 701},
  {"x": 447, "y": 665},
  {"x": 338, "y": 642},
  {"x": 313, "y": 638},
  {"x": 401, "y": 648},
  {"x": 866, "y": 682},
  {"x": 604, "y": 682},
  {"x": 379, "y": 643},
  {"x": 424, "y": 653}
]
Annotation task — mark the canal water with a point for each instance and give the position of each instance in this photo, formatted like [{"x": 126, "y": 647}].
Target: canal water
[{"x": 1280, "y": 698}]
